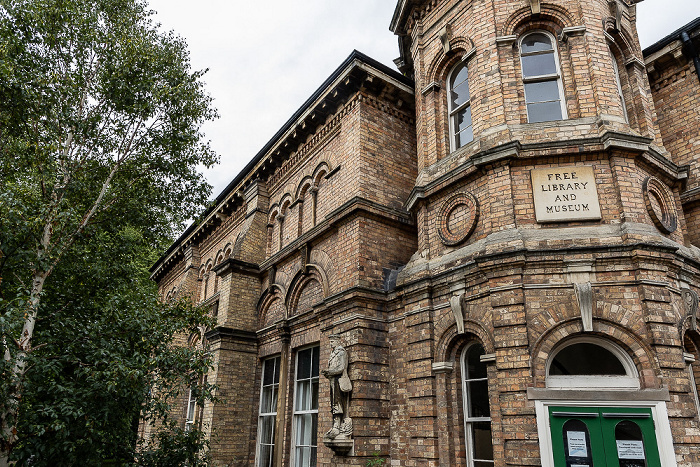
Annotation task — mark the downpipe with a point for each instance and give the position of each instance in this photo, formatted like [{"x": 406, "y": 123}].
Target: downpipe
[{"x": 690, "y": 50}]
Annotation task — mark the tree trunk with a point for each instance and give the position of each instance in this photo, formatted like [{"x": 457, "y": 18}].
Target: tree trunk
[{"x": 24, "y": 345}]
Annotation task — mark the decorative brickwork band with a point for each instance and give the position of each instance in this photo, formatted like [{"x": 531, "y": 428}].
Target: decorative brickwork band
[
  {"x": 660, "y": 205},
  {"x": 457, "y": 218}
]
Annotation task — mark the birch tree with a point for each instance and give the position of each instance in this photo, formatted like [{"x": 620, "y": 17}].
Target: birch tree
[{"x": 100, "y": 118}]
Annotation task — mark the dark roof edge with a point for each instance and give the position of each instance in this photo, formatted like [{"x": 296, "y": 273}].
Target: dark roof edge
[
  {"x": 671, "y": 37},
  {"x": 355, "y": 55}
]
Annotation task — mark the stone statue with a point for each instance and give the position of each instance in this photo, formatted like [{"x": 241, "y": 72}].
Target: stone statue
[{"x": 337, "y": 374}]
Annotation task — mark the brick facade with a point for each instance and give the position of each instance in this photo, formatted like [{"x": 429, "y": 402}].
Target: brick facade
[{"x": 359, "y": 219}]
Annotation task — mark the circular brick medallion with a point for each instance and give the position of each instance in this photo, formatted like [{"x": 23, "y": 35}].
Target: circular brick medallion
[
  {"x": 660, "y": 206},
  {"x": 457, "y": 218}
]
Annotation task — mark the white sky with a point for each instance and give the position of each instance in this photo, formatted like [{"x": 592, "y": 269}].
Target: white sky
[{"x": 266, "y": 58}]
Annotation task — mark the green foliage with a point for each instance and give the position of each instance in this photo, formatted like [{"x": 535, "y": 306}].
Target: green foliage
[
  {"x": 375, "y": 460},
  {"x": 100, "y": 146}
]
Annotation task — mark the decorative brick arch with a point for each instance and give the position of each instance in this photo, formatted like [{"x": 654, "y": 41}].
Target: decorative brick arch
[
  {"x": 272, "y": 298},
  {"x": 321, "y": 170},
  {"x": 630, "y": 342},
  {"x": 451, "y": 340},
  {"x": 303, "y": 187},
  {"x": 303, "y": 279},
  {"x": 443, "y": 63},
  {"x": 553, "y": 18}
]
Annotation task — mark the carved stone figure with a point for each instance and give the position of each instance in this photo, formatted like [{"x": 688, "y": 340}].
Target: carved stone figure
[{"x": 341, "y": 387}]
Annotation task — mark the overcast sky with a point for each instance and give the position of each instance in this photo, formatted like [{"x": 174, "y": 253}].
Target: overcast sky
[{"x": 265, "y": 58}]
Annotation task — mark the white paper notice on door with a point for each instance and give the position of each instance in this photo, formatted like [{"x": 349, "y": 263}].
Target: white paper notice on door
[
  {"x": 630, "y": 450},
  {"x": 577, "y": 443}
]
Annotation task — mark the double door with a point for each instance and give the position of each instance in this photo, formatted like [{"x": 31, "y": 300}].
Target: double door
[{"x": 603, "y": 437}]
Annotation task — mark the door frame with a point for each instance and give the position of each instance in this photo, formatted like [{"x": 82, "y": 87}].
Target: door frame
[{"x": 659, "y": 414}]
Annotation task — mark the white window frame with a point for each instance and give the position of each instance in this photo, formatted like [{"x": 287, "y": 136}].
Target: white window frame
[
  {"x": 261, "y": 414},
  {"x": 466, "y": 399},
  {"x": 629, "y": 381},
  {"x": 451, "y": 113},
  {"x": 659, "y": 415},
  {"x": 616, "y": 70},
  {"x": 191, "y": 411},
  {"x": 689, "y": 360},
  {"x": 542, "y": 78},
  {"x": 296, "y": 412}
]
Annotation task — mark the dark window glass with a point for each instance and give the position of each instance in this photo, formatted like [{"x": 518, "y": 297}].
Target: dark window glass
[
  {"x": 544, "y": 112},
  {"x": 536, "y": 42},
  {"x": 539, "y": 65},
  {"x": 586, "y": 359}
]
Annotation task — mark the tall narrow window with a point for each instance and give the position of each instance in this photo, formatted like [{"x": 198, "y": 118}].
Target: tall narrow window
[
  {"x": 619, "y": 85},
  {"x": 268, "y": 411},
  {"x": 459, "y": 105},
  {"x": 477, "y": 414},
  {"x": 306, "y": 408},
  {"x": 541, "y": 78},
  {"x": 191, "y": 410}
]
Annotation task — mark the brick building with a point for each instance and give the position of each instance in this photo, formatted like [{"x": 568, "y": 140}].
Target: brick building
[{"x": 500, "y": 238}]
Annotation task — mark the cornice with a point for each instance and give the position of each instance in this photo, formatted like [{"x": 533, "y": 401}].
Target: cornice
[
  {"x": 357, "y": 72},
  {"x": 638, "y": 145}
]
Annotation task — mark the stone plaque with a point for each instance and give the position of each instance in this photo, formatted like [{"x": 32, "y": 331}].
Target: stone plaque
[{"x": 565, "y": 194}]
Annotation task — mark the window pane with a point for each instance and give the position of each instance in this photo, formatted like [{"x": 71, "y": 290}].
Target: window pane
[
  {"x": 475, "y": 367},
  {"x": 302, "y": 457},
  {"x": 536, "y": 43},
  {"x": 463, "y": 119},
  {"x": 314, "y": 361},
  {"x": 543, "y": 112},
  {"x": 271, "y": 371},
  {"x": 586, "y": 359},
  {"x": 459, "y": 75},
  {"x": 303, "y": 395},
  {"x": 266, "y": 401},
  {"x": 538, "y": 65},
  {"x": 542, "y": 91},
  {"x": 265, "y": 459},
  {"x": 304, "y": 364},
  {"x": 466, "y": 136},
  {"x": 304, "y": 429},
  {"x": 483, "y": 447},
  {"x": 267, "y": 429},
  {"x": 313, "y": 403},
  {"x": 479, "y": 399},
  {"x": 460, "y": 94}
]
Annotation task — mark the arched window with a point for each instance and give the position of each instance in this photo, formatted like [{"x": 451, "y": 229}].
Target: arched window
[
  {"x": 459, "y": 105},
  {"x": 591, "y": 363},
  {"x": 616, "y": 69},
  {"x": 691, "y": 356},
  {"x": 541, "y": 78},
  {"x": 477, "y": 414}
]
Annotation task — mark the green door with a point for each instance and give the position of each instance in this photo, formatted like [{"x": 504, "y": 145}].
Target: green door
[{"x": 603, "y": 437}]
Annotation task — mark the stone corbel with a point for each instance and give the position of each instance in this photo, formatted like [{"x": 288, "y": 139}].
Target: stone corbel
[
  {"x": 433, "y": 86},
  {"x": 445, "y": 36},
  {"x": 535, "y": 6},
  {"x": 616, "y": 11},
  {"x": 690, "y": 300},
  {"x": 458, "y": 306},
  {"x": 506, "y": 40},
  {"x": 584, "y": 297},
  {"x": 571, "y": 31}
]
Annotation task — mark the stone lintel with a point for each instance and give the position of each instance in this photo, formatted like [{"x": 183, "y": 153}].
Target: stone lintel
[{"x": 543, "y": 394}]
